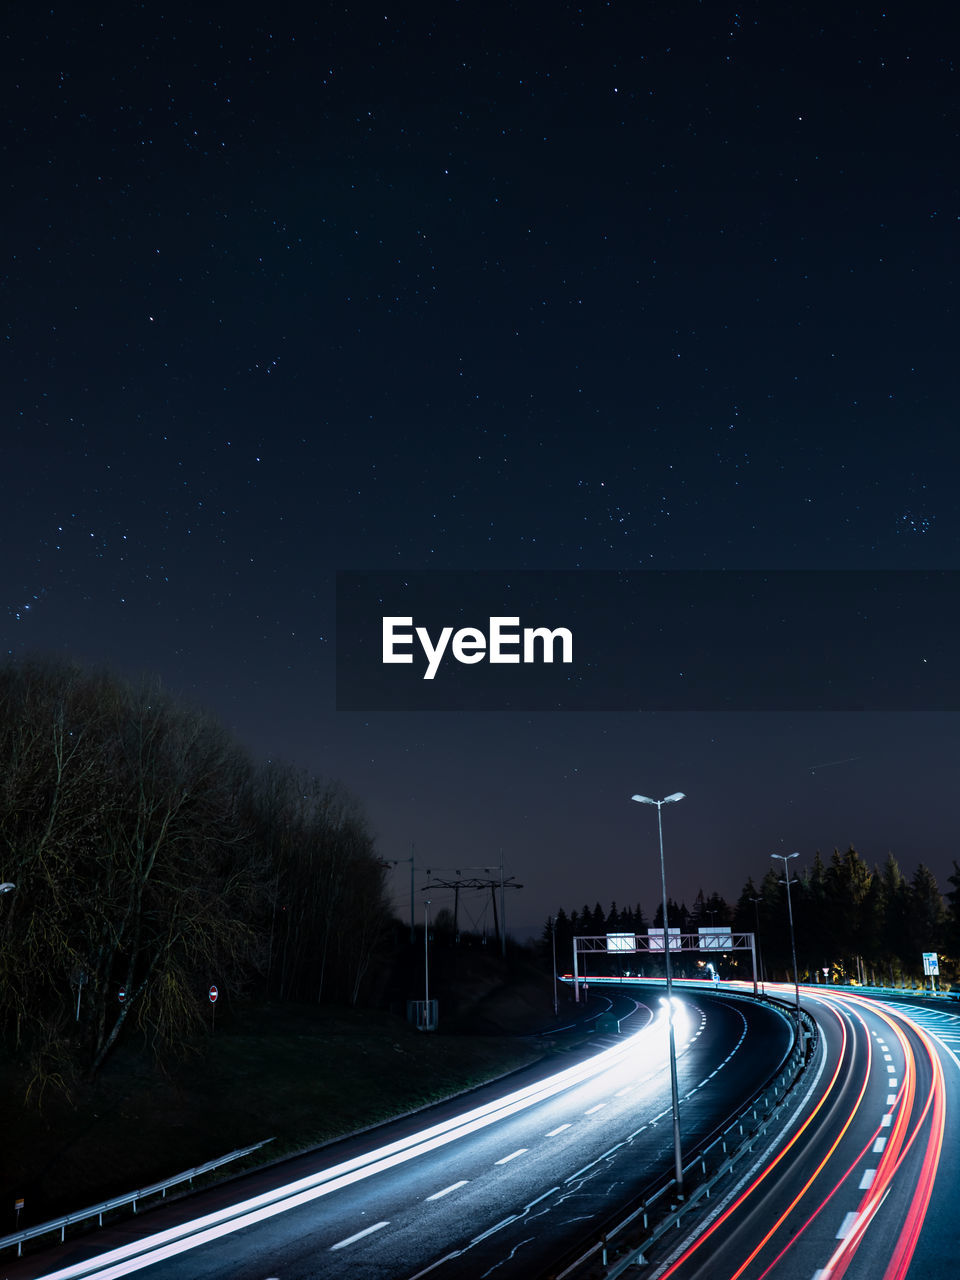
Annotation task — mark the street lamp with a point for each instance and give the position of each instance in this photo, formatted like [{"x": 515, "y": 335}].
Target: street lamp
[
  {"x": 7, "y": 887},
  {"x": 677, "y": 1159},
  {"x": 426, "y": 958},
  {"x": 785, "y": 858}
]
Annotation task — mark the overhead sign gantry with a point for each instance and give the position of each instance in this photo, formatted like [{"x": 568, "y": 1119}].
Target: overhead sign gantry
[{"x": 652, "y": 943}]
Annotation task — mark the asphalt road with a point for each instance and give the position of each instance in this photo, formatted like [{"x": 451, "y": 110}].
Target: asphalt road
[
  {"x": 864, "y": 1183},
  {"x": 497, "y": 1186}
]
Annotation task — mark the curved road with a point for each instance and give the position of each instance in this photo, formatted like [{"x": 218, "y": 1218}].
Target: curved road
[
  {"x": 848, "y": 1189},
  {"x": 499, "y": 1187}
]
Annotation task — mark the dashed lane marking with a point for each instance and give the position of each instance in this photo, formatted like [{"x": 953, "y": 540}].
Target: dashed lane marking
[
  {"x": 846, "y": 1226},
  {"x": 513, "y": 1155},
  {"x": 454, "y": 1186},
  {"x": 359, "y": 1236}
]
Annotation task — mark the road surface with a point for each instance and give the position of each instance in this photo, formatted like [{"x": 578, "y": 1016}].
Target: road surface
[
  {"x": 499, "y": 1187},
  {"x": 864, "y": 1183}
]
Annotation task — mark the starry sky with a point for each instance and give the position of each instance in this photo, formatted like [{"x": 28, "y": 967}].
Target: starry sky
[{"x": 292, "y": 289}]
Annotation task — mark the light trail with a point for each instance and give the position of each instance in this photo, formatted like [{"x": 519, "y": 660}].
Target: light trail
[
  {"x": 766, "y": 1172},
  {"x": 638, "y": 1048},
  {"x": 881, "y": 1174},
  {"x": 817, "y": 1171},
  {"x": 901, "y": 1128},
  {"x": 893, "y": 1154}
]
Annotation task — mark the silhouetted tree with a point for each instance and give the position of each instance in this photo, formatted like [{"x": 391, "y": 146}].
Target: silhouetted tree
[
  {"x": 926, "y": 919},
  {"x": 120, "y": 823}
]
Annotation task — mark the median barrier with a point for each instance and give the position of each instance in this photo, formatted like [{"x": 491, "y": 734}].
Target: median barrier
[{"x": 624, "y": 1243}]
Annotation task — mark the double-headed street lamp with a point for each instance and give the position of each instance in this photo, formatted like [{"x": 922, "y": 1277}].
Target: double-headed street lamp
[
  {"x": 785, "y": 858},
  {"x": 677, "y": 1160}
]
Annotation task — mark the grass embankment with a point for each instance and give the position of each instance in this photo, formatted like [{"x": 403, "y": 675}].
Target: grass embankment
[{"x": 302, "y": 1075}]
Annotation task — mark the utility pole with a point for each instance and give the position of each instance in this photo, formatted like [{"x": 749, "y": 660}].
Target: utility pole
[{"x": 503, "y": 911}]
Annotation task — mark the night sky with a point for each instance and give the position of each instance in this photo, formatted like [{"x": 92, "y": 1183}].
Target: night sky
[{"x": 293, "y": 289}]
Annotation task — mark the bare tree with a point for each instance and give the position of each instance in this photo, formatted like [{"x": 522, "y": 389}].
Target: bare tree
[{"x": 121, "y": 823}]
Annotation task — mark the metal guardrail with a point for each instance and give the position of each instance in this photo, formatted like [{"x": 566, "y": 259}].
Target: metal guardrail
[
  {"x": 117, "y": 1202},
  {"x": 857, "y": 988},
  {"x": 657, "y": 1214}
]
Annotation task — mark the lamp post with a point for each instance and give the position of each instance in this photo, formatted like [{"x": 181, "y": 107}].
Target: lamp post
[
  {"x": 426, "y": 958},
  {"x": 785, "y": 858},
  {"x": 674, "y": 1095}
]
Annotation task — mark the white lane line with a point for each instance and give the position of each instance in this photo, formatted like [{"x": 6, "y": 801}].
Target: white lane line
[
  {"x": 891, "y": 1099},
  {"x": 892, "y": 1084},
  {"x": 359, "y": 1236},
  {"x": 891, "y": 1070},
  {"x": 622, "y": 1093},
  {"x": 454, "y": 1186},
  {"x": 598, "y": 1107},
  {"x": 846, "y": 1226},
  {"x": 513, "y": 1155},
  {"x": 866, "y": 1182},
  {"x": 559, "y": 1129},
  {"x": 885, "y": 1122},
  {"x": 879, "y": 1145}
]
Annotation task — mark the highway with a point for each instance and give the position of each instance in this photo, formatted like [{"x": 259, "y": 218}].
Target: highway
[
  {"x": 497, "y": 1184},
  {"x": 863, "y": 1183}
]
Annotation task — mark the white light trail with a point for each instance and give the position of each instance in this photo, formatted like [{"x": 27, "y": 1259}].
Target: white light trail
[{"x": 635, "y": 1051}]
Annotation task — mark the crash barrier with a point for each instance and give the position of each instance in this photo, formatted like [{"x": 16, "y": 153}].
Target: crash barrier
[
  {"x": 626, "y": 1243},
  {"x": 117, "y": 1202}
]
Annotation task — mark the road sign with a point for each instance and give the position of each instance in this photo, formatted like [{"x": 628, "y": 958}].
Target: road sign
[
  {"x": 621, "y": 942},
  {"x": 931, "y": 965},
  {"x": 122, "y": 994},
  {"x": 213, "y": 995},
  {"x": 715, "y": 938},
  {"x": 655, "y": 940}
]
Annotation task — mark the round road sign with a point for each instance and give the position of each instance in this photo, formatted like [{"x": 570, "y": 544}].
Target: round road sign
[{"x": 213, "y": 995}]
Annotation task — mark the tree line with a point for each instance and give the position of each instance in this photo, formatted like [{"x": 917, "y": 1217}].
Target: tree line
[
  {"x": 851, "y": 922},
  {"x": 152, "y": 860}
]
